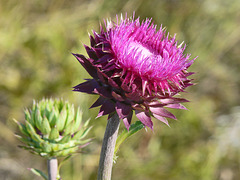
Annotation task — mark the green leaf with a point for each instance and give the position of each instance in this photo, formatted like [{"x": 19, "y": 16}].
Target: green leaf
[
  {"x": 65, "y": 139},
  {"x": 61, "y": 119},
  {"x": 58, "y": 103},
  {"x": 38, "y": 118},
  {"x": 134, "y": 128},
  {"x": 52, "y": 118},
  {"x": 28, "y": 117},
  {"x": 46, "y": 111},
  {"x": 54, "y": 134},
  {"x": 38, "y": 173},
  {"x": 42, "y": 106},
  {"x": 64, "y": 160},
  {"x": 70, "y": 114},
  {"x": 23, "y": 140},
  {"x": 30, "y": 149},
  {"x": 45, "y": 129},
  {"x": 46, "y": 147},
  {"x": 86, "y": 123},
  {"x": 69, "y": 129},
  {"x": 82, "y": 130},
  {"x": 81, "y": 134},
  {"x": 78, "y": 120},
  {"x": 32, "y": 132},
  {"x": 82, "y": 143},
  {"x": 22, "y": 128},
  {"x": 32, "y": 112}
]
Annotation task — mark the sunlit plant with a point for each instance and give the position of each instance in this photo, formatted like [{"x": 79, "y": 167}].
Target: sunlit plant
[
  {"x": 134, "y": 68},
  {"x": 53, "y": 129}
]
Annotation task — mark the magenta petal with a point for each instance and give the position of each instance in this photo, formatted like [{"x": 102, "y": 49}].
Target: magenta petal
[
  {"x": 104, "y": 59},
  {"x": 92, "y": 41},
  {"x": 112, "y": 83},
  {"x": 176, "y": 106},
  {"x": 99, "y": 50},
  {"x": 98, "y": 102},
  {"x": 155, "y": 104},
  {"x": 92, "y": 54},
  {"x": 144, "y": 86},
  {"x": 162, "y": 112},
  {"x": 103, "y": 91},
  {"x": 173, "y": 100},
  {"x": 87, "y": 65},
  {"x": 118, "y": 97},
  {"x": 134, "y": 95},
  {"x": 164, "y": 120},
  {"x": 144, "y": 118},
  {"x": 127, "y": 120},
  {"x": 125, "y": 87},
  {"x": 101, "y": 76},
  {"x": 190, "y": 73},
  {"x": 107, "y": 108},
  {"x": 122, "y": 109},
  {"x": 87, "y": 86},
  {"x": 110, "y": 67}
]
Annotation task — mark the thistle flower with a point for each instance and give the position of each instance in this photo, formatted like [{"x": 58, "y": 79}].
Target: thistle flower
[
  {"x": 135, "y": 67},
  {"x": 52, "y": 129}
]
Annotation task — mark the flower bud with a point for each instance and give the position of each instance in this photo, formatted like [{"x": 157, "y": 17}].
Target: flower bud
[{"x": 52, "y": 129}]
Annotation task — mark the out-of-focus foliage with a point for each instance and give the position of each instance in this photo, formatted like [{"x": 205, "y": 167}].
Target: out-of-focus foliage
[{"x": 36, "y": 41}]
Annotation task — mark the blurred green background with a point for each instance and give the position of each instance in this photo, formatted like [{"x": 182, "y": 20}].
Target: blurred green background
[{"x": 36, "y": 41}]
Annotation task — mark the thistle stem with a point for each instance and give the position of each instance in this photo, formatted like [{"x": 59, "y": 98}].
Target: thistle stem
[
  {"x": 108, "y": 146},
  {"x": 52, "y": 168}
]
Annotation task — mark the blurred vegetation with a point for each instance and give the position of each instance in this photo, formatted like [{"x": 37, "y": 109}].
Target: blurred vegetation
[{"x": 36, "y": 41}]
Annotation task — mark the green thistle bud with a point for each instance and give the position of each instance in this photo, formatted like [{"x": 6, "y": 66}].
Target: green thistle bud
[{"x": 52, "y": 129}]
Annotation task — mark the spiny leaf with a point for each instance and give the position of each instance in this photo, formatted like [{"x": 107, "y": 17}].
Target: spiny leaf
[
  {"x": 64, "y": 160},
  {"x": 78, "y": 119},
  {"x": 24, "y": 140},
  {"x": 21, "y": 127},
  {"x": 38, "y": 173},
  {"x": 28, "y": 117},
  {"x": 81, "y": 134},
  {"x": 54, "y": 134},
  {"x": 52, "y": 118},
  {"x": 65, "y": 139},
  {"x": 46, "y": 147},
  {"x": 69, "y": 129},
  {"x": 70, "y": 114},
  {"x": 32, "y": 132},
  {"x": 134, "y": 128},
  {"x": 45, "y": 128},
  {"x": 38, "y": 118},
  {"x": 62, "y": 119}
]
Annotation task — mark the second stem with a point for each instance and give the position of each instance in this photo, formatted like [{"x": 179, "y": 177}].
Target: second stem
[
  {"x": 108, "y": 146},
  {"x": 52, "y": 164}
]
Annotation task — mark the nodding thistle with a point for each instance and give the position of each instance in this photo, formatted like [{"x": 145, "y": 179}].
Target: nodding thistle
[{"x": 135, "y": 67}]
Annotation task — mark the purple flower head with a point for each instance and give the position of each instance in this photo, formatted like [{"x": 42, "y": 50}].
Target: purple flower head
[{"x": 135, "y": 67}]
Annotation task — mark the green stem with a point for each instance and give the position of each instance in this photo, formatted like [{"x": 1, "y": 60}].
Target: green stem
[
  {"x": 108, "y": 146},
  {"x": 52, "y": 168}
]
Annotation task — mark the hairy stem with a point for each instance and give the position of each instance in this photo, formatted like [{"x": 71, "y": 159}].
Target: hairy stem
[
  {"x": 108, "y": 146},
  {"x": 52, "y": 168}
]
